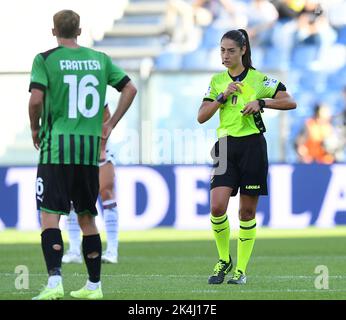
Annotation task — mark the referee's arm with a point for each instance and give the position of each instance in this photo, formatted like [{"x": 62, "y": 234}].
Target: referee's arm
[
  {"x": 210, "y": 106},
  {"x": 281, "y": 101},
  {"x": 207, "y": 110}
]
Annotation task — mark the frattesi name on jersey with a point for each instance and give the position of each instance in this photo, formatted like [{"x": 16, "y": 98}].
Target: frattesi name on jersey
[{"x": 80, "y": 65}]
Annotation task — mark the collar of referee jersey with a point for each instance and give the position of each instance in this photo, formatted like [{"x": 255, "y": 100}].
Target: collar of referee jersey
[{"x": 241, "y": 76}]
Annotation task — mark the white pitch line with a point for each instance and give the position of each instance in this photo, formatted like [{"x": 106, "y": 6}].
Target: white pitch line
[
  {"x": 275, "y": 291},
  {"x": 123, "y": 275},
  {"x": 254, "y": 257},
  {"x": 299, "y": 257},
  {"x": 326, "y": 291}
]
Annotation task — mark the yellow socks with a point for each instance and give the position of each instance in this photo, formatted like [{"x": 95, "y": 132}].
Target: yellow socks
[
  {"x": 246, "y": 241},
  {"x": 221, "y": 231}
]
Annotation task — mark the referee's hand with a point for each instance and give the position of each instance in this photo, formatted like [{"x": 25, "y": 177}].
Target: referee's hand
[
  {"x": 233, "y": 87},
  {"x": 251, "y": 108}
]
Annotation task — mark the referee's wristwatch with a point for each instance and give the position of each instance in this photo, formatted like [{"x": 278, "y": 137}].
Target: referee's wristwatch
[
  {"x": 221, "y": 98},
  {"x": 261, "y": 104}
]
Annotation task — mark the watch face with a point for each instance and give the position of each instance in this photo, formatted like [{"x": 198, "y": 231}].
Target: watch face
[{"x": 220, "y": 98}]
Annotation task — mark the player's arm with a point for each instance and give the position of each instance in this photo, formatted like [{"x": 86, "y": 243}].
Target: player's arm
[
  {"x": 210, "y": 106},
  {"x": 35, "y": 110},
  {"x": 127, "y": 95},
  {"x": 38, "y": 85},
  {"x": 106, "y": 113},
  {"x": 106, "y": 116}
]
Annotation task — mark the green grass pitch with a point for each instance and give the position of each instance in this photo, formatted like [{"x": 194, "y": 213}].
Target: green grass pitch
[{"x": 163, "y": 263}]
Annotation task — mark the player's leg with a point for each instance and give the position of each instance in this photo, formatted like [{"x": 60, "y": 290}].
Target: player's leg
[
  {"x": 92, "y": 250},
  {"x": 52, "y": 246},
  {"x": 219, "y": 198},
  {"x": 50, "y": 180},
  {"x": 247, "y": 236},
  {"x": 84, "y": 198},
  {"x": 73, "y": 255},
  {"x": 110, "y": 212}
]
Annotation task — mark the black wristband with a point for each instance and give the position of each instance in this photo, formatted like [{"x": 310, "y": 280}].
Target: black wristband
[
  {"x": 221, "y": 98},
  {"x": 261, "y": 103}
]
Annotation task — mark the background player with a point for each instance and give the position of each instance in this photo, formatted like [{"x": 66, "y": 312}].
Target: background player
[
  {"x": 110, "y": 211},
  {"x": 68, "y": 88},
  {"x": 240, "y": 155}
]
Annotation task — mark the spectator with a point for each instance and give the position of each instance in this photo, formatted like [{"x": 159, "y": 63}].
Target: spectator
[
  {"x": 311, "y": 27},
  {"x": 262, "y": 15},
  {"x": 285, "y": 29},
  {"x": 344, "y": 111},
  {"x": 257, "y": 16},
  {"x": 316, "y": 142},
  {"x": 226, "y": 14},
  {"x": 288, "y": 9},
  {"x": 314, "y": 29},
  {"x": 183, "y": 21},
  {"x": 340, "y": 128},
  {"x": 212, "y": 6}
]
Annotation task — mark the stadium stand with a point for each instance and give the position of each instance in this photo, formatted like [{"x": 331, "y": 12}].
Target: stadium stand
[
  {"x": 132, "y": 31},
  {"x": 140, "y": 33}
]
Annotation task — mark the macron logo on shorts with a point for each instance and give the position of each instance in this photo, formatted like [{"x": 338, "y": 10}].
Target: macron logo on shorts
[{"x": 252, "y": 187}]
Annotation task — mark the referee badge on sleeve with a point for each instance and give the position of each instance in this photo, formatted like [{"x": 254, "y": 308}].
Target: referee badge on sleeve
[
  {"x": 208, "y": 92},
  {"x": 270, "y": 82}
]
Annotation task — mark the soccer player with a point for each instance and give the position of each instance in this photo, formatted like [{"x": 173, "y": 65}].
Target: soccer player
[
  {"x": 240, "y": 93},
  {"x": 110, "y": 212},
  {"x": 68, "y": 87}
]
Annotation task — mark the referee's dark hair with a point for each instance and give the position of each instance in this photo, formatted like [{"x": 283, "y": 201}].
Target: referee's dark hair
[{"x": 241, "y": 37}]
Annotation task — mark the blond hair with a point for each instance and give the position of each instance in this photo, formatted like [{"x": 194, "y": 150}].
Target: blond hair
[{"x": 66, "y": 24}]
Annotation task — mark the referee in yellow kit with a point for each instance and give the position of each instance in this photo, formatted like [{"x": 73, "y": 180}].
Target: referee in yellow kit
[{"x": 240, "y": 93}]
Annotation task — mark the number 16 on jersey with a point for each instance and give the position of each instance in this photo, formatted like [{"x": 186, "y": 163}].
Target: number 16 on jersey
[{"x": 78, "y": 93}]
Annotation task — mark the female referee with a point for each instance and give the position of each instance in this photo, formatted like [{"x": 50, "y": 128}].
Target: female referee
[{"x": 240, "y": 93}]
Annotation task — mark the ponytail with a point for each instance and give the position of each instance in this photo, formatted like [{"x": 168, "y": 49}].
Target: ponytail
[
  {"x": 241, "y": 37},
  {"x": 246, "y": 59}
]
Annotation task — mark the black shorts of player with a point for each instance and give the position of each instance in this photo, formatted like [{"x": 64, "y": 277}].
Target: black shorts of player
[
  {"x": 241, "y": 163},
  {"x": 59, "y": 184}
]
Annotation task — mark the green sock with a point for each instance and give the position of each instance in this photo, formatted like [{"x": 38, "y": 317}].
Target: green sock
[
  {"x": 220, "y": 226},
  {"x": 246, "y": 241}
]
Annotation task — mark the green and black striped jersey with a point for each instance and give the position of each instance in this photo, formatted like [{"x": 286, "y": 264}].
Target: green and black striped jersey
[{"x": 74, "y": 81}]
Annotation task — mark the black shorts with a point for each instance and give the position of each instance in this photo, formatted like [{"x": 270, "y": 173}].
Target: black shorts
[
  {"x": 241, "y": 163},
  {"x": 59, "y": 184}
]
